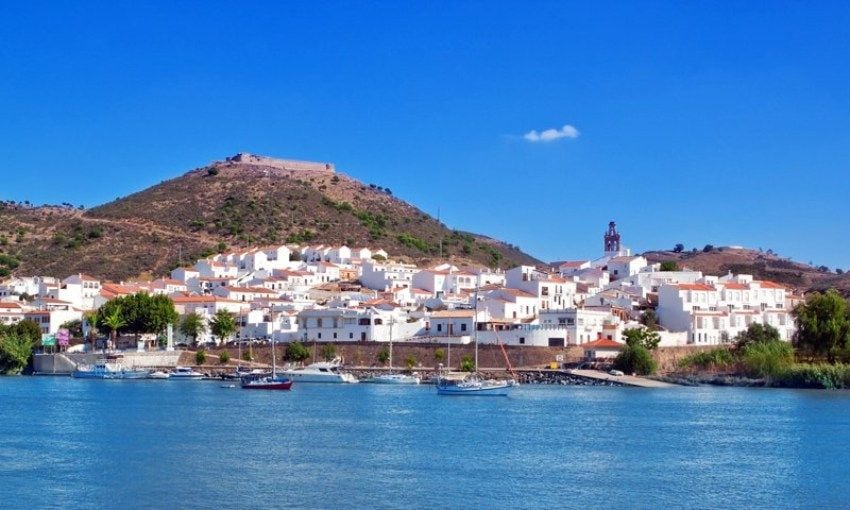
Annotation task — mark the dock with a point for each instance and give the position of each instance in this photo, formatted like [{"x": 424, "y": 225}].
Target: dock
[{"x": 627, "y": 380}]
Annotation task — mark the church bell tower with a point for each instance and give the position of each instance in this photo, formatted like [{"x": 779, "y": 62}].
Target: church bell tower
[{"x": 612, "y": 240}]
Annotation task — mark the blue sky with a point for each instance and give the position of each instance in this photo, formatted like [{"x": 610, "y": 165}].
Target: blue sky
[{"x": 692, "y": 122}]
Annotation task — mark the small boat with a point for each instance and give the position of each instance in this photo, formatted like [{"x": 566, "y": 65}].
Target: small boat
[
  {"x": 462, "y": 383},
  {"x": 471, "y": 384},
  {"x": 105, "y": 370},
  {"x": 265, "y": 381},
  {"x": 183, "y": 373},
  {"x": 395, "y": 379},
  {"x": 321, "y": 372},
  {"x": 159, "y": 374}
]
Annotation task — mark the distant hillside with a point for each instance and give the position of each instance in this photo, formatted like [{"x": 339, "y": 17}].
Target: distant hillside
[
  {"x": 237, "y": 203},
  {"x": 765, "y": 266}
]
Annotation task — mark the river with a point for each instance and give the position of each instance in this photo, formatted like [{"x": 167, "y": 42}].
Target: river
[{"x": 68, "y": 443}]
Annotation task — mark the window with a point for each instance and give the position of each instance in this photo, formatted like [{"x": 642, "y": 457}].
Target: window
[
  {"x": 351, "y": 336},
  {"x": 522, "y": 340},
  {"x": 320, "y": 336},
  {"x": 439, "y": 327},
  {"x": 334, "y": 336}
]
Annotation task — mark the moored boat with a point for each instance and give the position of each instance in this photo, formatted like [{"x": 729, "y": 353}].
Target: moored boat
[
  {"x": 263, "y": 381},
  {"x": 395, "y": 379},
  {"x": 159, "y": 374},
  {"x": 184, "y": 373},
  {"x": 106, "y": 370},
  {"x": 471, "y": 384},
  {"x": 321, "y": 372}
]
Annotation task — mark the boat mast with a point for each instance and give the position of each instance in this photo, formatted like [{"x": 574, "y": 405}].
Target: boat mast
[
  {"x": 391, "y": 342},
  {"x": 274, "y": 365},
  {"x": 475, "y": 327}
]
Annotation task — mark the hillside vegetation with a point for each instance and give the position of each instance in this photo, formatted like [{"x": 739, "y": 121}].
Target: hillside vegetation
[
  {"x": 230, "y": 205},
  {"x": 762, "y": 265}
]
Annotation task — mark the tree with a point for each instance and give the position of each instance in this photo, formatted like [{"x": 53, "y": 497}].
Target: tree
[
  {"x": 113, "y": 321},
  {"x": 383, "y": 355},
  {"x": 708, "y": 248},
  {"x": 679, "y": 248},
  {"x": 74, "y": 327},
  {"x": 223, "y": 357},
  {"x": 757, "y": 333},
  {"x": 92, "y": 319},
  {"x": 192, "y": 326},
  {"x": 296, "y": 351},
  {"x": 650, "y": 319},
  {"x": 669, "y": 265},
  {"x": 642, "y": 337},
  {"x": 635, "y": 359},
  {"x": 328, "y": 352},
  {"x": 223, "y": 325},
  {"x": 410, "y": 361},
  {"x": 141, "y": 313},
  {"x": 200, "y": 357},
  {"x": 28, "y": 329},
  {"x": 823, "y": 324},
  {"x": 15, "y": 352}
]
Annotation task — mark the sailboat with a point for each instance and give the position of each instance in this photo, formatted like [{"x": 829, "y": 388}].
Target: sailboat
[
  {"x": 392, "y": 378},
  {"x": 473, "y": 384},
  {"x": 267, "y": 381}
]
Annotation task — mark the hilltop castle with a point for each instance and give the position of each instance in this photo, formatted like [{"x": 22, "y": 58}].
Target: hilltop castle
[{"x": 282, "y": 164}]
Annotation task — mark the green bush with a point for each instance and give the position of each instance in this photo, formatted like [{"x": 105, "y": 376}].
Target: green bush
[
  {"x": 200, "y": 357},
  {"x": 715, "y": 358},
  {"x": 821, "y": 376},
  {"x": 767, "y": 359},
  {"x": 296, "y": 351},
  {"x": 223, "y": 357},
  {"x": 383, "y": 355},
  {"x": 328, "y": 352},
  {"x": 635, "y": 359},
  {"x": 467, "y": 364},
  {"x": 410, "y": 361},
  {"x": 439, "y": 354}
]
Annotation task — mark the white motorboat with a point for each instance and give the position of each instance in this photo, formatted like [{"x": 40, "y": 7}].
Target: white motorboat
[
  {"x": 320, "y": 372},
  {"x": 395, "y": 379},
  {"x": 106, "y": 370},
  {"x": 159, "y": 374},
  {"x": 182, "y": 373}
]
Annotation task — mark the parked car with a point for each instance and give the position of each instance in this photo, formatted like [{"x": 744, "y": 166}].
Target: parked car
[{"x": 616, "y": 373}]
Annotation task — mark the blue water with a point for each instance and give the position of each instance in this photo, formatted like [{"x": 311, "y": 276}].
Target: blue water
[{"x": 68, "y": 443}]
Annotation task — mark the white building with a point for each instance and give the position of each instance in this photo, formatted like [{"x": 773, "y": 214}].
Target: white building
[
  {"x": 353, "y": 325},
  {"x": 387, "y": 276},
  {"x": 714, "y": 310}
]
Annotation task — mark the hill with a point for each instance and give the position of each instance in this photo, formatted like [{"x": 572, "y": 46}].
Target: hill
[
  {"x": 762, "y": 265},
  {"x": 240, "y": 202}
]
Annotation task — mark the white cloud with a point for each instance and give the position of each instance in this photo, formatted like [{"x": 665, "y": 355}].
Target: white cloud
[{"x": 551, "y": 135}]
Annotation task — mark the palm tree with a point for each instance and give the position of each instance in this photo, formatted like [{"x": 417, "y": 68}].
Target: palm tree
[
  {"x": 193, "y": 326},
  {"x": 223, "y": 325},
  {"x": 93, "y": 321},
  {"x": 113, "y": 322}
]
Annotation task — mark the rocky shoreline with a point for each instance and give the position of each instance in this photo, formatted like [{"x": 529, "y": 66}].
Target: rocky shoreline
[{"x": 541, "y": 377}]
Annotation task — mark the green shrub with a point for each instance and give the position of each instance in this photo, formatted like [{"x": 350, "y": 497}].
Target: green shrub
[
  {"x": 715, "y": 358},
  {"x": 223, "y": 357},
  {"x": 821, "y": 376},
  {"x": 296, "y": 351},
  {"x": 467, "y": 364},
  {"x": 410, "y": 361},
  {"x": 383, "y": 355},
  {"x": 635, "y": 359},
  {"x": 200, "y": 357},
  {"x": 767, "y": 359},
  {"x": 328, "y": 352}
]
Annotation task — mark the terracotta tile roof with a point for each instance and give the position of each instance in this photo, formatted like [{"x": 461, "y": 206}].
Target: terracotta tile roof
[
  {"x": 767, "y": 284},
  {"x": 452, "y": 314},
  {"x": 694, "y": 286},
  {"x": 735, "y": 286},
  {"x": 603, "y": 343}
]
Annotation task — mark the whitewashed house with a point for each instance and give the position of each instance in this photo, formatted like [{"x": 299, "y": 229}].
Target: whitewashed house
[{"x": 713, "y": 311}]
